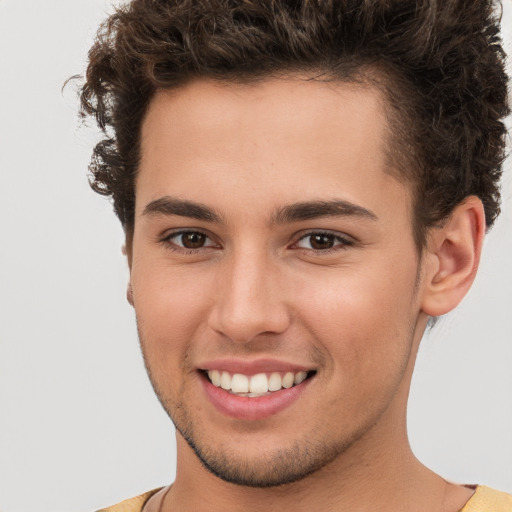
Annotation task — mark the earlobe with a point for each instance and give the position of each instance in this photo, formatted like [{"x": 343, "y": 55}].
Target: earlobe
[
  {"x": 129, "y": 289},
  {"x": 126, "y": 250},
  {"x": 129, "y": 294},
  {"x": 452, "y": 257}
]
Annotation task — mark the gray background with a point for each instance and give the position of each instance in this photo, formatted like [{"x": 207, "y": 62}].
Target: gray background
[{"x": 80, "y": 427}]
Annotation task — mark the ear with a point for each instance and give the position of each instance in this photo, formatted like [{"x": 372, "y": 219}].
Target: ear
[
  {"x": 126, "y": 249},
  {"x": 452, "y": 256},
  {"x": 129, "y": 293}
]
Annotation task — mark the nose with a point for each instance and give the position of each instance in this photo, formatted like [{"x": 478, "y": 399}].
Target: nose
[{"x": 250, "y": 299}]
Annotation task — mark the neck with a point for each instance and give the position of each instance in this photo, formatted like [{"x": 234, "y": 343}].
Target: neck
[
  {"x": 357, "y": 481},
  {"x": 377, "y": 472}
]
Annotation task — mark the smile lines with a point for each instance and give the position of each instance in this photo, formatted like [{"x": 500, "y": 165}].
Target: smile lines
[{"x": 256, "y": 385}]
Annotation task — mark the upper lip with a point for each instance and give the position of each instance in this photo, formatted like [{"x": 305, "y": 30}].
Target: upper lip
[{"x": 253, "y": 367}]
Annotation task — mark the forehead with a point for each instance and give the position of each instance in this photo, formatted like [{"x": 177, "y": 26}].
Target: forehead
[
  {"x": 289, "y": 107},
  {"x": 278, "y": 140}
]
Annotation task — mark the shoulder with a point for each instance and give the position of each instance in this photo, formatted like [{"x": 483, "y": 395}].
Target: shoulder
[
  {"x": 486, "y": 499},
  {"x": 133, "y": 504}
]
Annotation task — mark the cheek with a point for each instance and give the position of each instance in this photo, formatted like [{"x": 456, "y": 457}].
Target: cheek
[
  {"x": 170, "y": 305},
  {"x": 362, "y": 318}
]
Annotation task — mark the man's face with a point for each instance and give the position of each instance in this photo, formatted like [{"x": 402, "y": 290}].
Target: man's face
[{"x": 271, "y": 239}]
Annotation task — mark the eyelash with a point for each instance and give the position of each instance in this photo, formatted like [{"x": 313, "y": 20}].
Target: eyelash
[
  {"x": 342, "y": 242},
  {"x": 168, "y": 244}
]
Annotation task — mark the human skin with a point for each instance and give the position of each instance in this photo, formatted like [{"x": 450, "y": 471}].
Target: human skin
[{"x": 257, "y": 295}]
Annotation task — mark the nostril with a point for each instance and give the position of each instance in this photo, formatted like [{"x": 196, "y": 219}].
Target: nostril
[{"x": 246, "y": 317}]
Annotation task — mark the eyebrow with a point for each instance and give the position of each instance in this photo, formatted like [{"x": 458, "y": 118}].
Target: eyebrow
[
  {"x": 316, "y": 209},
  {"x": 172, "y": 206},
  {"x": 296, "y": 212}
]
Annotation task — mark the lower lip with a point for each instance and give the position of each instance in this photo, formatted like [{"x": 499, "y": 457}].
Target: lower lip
[{"x": 256, "y": 408}]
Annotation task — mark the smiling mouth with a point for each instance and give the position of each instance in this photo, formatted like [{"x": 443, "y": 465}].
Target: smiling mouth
[{"x": 258, "y": 385}]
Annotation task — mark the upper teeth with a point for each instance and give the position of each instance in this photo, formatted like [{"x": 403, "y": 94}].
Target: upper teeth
[{"x": 255, "y": 385}]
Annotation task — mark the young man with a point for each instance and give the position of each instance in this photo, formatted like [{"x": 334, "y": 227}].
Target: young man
[{"x": 303, "y": 187}]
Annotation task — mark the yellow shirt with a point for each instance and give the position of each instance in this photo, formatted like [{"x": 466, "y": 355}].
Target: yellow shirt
[
  {"x": 488, "y": 500},
  {"x": 133, "y": 504},
  {"x": 484, "y": 500}
]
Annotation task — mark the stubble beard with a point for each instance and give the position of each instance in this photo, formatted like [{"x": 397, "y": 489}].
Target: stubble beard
[
  {"x": 274, "y": 468},
  {"x": 271, "y": 468}
]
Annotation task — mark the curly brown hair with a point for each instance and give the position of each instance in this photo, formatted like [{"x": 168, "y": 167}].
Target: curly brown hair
[{"x": 440, "y": 64}]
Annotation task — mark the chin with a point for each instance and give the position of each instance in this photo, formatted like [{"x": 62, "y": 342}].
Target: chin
[
  {"x": 281, "y": 467},
  {"x": 252, "y": 466}
]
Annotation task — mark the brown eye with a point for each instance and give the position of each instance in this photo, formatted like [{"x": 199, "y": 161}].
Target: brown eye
[
  {"x": 193, "y": 240},
  {"x": 321, "y": 241},
  {"x": 189, "y": 241},
  {"x": 324, "y": 241}
]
